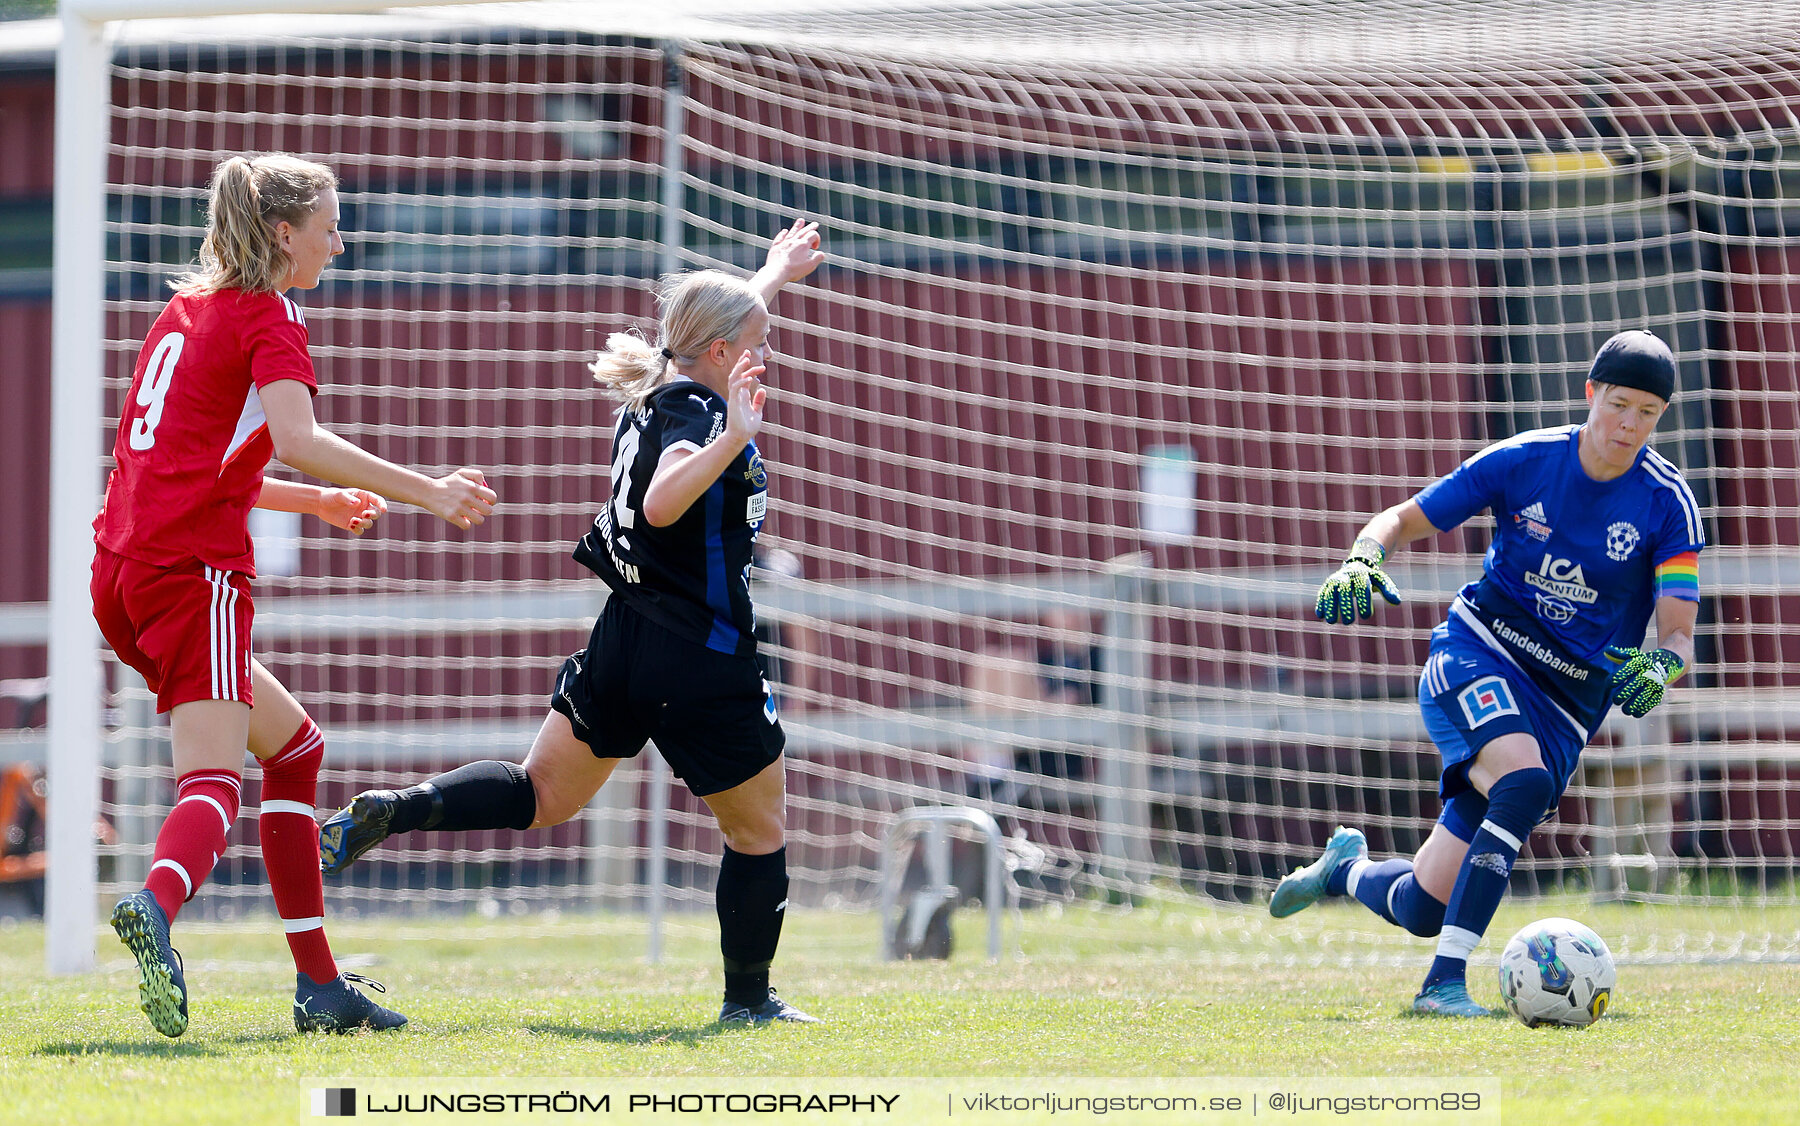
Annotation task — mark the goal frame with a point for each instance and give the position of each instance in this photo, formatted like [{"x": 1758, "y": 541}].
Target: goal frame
[{"x": 926, "y": 725}]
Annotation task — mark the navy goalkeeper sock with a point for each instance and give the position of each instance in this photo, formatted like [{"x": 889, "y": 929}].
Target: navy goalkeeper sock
[
  {"x": 1515, "y": 804},
  {"x": 1390, "y": 890}
]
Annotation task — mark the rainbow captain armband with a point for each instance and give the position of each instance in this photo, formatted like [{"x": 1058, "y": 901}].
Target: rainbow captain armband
[{"x": 1678, "y": 576}]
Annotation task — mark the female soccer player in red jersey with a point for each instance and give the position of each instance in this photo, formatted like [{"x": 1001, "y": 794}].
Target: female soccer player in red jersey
[{"x": 223, "y": 382}]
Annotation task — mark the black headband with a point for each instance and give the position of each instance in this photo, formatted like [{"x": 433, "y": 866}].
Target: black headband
[{"x": 1636, "y": 359}]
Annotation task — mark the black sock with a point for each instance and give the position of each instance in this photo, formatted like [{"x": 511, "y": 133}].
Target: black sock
[
  {"x": 752, "y": 899},
  {"x": 481, "y": 795}
]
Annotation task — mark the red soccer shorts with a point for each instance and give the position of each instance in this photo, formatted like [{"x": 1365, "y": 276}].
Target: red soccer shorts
[{"x": 185, "y": 628}]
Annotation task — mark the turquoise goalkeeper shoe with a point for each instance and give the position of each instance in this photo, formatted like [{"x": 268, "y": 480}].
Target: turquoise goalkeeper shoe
[
  {"x": 162, "y": 988},
  {"x": 1448, "y": 999},
  {"x": 1304, "y": 887}
]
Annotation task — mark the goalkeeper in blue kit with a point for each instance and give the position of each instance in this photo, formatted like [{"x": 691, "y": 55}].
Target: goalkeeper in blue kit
[{"x": 1595, "y": 533}]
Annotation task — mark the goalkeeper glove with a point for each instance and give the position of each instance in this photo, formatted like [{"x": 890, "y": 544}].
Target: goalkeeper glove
[
  {"x": 1348, "y": 594},
  {"x": 1641, "y": 679}
]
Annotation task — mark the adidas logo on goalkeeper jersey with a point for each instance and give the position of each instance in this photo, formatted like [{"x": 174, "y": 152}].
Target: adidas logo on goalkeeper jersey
[{"x": 1533, "y": 519}]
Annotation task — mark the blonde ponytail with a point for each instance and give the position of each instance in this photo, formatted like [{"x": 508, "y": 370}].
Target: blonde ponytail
[
  {"x": 248, "y": 197},
  {"x": 697, "y": 309},
  {"x": 630, "y": 368}
]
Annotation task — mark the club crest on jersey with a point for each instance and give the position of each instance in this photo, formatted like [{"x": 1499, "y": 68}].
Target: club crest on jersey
[
  {"x": 1621, "y": 540},
  {"x": 755, "y": 472},
  {"x": 1532, "y": 519},
  {"x": 1486, "y": 699},
  {"x": 1562, "y": 578}
]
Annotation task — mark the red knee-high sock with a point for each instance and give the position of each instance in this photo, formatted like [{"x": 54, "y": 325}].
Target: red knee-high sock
[
  {"x": 290, "y": 848},
  {"x": 190, "y": 841}
]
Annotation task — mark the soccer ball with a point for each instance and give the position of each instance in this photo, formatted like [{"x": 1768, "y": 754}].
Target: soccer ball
[{"x": 1557, "y": 971}]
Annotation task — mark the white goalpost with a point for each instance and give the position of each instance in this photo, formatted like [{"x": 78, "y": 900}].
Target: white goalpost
[
  {"x": 1111, "y": 358},
  {"x": 78, "y": 308}
]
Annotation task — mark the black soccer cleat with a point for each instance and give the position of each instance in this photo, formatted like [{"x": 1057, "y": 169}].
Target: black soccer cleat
[
  {"x": 337, "y": 1006},
  {"x": 355, "y": 829},
  {"x": 162, "y": 988},
  {"x": 768, "y": 1011}
]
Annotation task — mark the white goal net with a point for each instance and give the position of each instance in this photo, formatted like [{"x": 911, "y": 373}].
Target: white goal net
[{"x": 1134, "y": 314}]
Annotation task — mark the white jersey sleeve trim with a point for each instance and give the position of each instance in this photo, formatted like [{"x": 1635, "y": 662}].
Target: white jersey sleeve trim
[
  {"x": 1530, "y": 437},
  {"x": 1664, "y": 471}
]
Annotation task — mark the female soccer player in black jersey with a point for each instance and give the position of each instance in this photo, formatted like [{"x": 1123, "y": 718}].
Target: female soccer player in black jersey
[{"x": 673, "y": 655}]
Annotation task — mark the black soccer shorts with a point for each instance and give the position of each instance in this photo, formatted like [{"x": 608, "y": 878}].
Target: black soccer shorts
[{"x": 710, "y": 713}]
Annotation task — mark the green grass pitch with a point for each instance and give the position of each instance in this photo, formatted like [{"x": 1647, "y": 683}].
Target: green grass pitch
[{"x": 1176, "y": 989}]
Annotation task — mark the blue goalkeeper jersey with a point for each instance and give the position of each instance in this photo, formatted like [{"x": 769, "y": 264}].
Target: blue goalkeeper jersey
[{"x": 1572, "y": 568}]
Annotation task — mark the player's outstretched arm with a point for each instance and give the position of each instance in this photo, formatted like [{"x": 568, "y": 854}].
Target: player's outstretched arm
[
  {"x": 1348, "y": 595},
  {"x": 461, "y": 498},
  {"x": 354, "y": 510},
  {"x": 683, "y": 477},
  {"x": 1643, "y": 678},
  {"x": 793, "y": 254}
]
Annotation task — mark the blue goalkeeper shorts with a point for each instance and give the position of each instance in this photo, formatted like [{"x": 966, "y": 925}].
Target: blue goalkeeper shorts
[{"x": 1471, "y": 695}]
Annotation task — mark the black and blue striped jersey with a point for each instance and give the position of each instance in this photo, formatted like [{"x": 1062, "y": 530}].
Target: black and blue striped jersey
[{"x": 691, "y": 577}]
